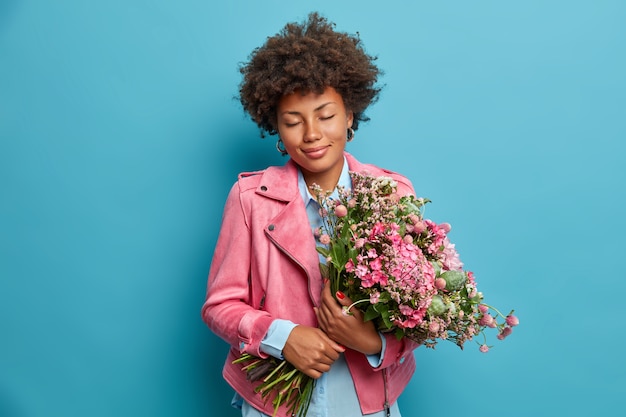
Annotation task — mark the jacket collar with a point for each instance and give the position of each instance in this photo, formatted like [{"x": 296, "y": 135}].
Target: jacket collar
[{"x": 280, "y": 182}]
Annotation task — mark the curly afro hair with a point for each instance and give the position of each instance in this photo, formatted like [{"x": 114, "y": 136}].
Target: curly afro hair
[{"x": 308, "y": 57}]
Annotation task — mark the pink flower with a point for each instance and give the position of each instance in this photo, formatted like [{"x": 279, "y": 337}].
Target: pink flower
[
  {"x": 450, "y": 257},
  {"x": 419, "y": 227},
  {"x": 486, "y": 320},
  {"x": 367, "y": 281},
  {"x": 395, "y": 239},
  {"x": 440, "y": 283},
  {"x": 377, "y": 229},
  {"x": 484, "y": 348},
  {"x": 374, "y": 297},
  {"x": 406, "y": 310},
  {"x": 445, "y": 227},
  {"x": 379, "y": 278},
  {"x": 483, "y": 308},
  {"x": 324, "y": 239},
  {"x": 352, "y": 203},
  {"x": 376, "y": 264},
  {"x": 341, "y": 211},
  {"x": 361, "y": 271},
  {"x": 512, "y": 320},
  {"x": 349, "y": 266},
  {"x": 433, "y": 327},
  {"x": 414, "y": 218}
]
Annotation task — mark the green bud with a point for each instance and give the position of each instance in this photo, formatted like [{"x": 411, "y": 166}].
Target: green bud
[
  {"x": 452, "y": 308},
  {"x": 437, "y": 306},
  {"x": 454, "y": 280}
]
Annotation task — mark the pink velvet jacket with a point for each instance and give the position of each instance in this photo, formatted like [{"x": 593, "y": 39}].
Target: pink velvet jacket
[{"x": 265, "y": 266}]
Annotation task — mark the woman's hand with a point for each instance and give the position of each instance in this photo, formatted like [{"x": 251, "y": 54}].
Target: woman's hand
[
  {"x": 311, "y": 351},
  {"x": 349, "y": 330}
]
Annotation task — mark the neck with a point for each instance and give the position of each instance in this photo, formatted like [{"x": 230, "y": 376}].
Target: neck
[
  {"x": 327, "y": 187},
  {"x": 326, "y": 181}
]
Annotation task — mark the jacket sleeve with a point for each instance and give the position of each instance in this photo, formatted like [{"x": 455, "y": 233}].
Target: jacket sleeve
[
  {"x": 396, "y": 350},
  {"x": 229, "y": 309}
]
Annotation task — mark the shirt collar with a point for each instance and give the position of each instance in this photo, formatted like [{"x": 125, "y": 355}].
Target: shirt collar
[{"x": 344, "y": 181}]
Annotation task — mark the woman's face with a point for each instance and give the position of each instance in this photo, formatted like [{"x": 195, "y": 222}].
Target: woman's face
[{"x": 313, "y": 128}]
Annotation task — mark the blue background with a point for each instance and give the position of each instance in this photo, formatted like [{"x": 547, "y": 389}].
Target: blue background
[{"x": 120, "y": 136}]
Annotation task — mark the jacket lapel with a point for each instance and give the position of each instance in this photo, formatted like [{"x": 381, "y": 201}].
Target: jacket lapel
[{"x": 290, "y": 229}]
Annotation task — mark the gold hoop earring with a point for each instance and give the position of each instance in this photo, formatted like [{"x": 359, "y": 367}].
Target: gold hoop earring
[
  {"x": 280, "y": 147},
  {"x": 350, "y": 135}
]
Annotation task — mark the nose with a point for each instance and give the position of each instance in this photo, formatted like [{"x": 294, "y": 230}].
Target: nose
[{"x": 312, "y": 132}]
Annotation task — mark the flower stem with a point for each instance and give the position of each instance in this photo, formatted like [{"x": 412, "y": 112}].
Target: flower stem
[
  {"x": 495, "y": 309},
  {"x": 267, "y": 378},
  {"x": 346, "y": 309}
]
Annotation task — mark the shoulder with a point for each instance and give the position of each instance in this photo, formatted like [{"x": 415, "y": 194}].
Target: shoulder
[
  {"x": 249, "y": 180},
  {"x": 278, "y": 182}
]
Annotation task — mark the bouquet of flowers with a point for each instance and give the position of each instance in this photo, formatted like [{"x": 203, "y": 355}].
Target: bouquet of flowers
[
  {"x": 401, "y": 269},
  {"x": 397, "y": 267}
]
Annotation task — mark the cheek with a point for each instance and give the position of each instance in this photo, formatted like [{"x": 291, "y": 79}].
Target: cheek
[
  {"x": 338, "y": 133},
  {"x": 289, "y": 139}
]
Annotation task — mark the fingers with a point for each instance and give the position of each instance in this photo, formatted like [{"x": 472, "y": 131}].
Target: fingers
[
  {"x": 311, "y": 350},
  {"x": 335, "y": 308},
  {"x": 348, "y": 330},
  {"x": 342, "y": 299}
]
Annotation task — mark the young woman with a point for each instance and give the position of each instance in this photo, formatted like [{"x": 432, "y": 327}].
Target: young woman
[{"x": 310, "y": 84}]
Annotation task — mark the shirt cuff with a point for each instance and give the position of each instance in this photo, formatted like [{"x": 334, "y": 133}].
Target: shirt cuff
[
  {"x": 376, "y": 360},
  {"x": 276, "y": 337}
]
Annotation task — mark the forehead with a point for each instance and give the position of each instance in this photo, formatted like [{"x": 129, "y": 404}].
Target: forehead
[{"x": 309, "y": 101}]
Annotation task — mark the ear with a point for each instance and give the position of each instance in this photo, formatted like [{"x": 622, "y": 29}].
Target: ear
[{"x": 349, "y": 118}]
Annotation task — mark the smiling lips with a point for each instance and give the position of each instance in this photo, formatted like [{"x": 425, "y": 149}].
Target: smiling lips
[{"x": 316, "y": 152}]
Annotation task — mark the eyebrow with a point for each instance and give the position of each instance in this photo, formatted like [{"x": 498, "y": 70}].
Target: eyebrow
[{"x": 318, "y": 108}]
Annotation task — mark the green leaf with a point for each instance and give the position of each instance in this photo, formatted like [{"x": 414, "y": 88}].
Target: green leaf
[
  {"x": 322, "y": 250},
  {"x": 385, "y": 297},
  {"x": 324, "y": 270},
  {"x": 371, "y": 313},
  {"x": 384, "y": 313},
  {"x": 399, "y": 333}
]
